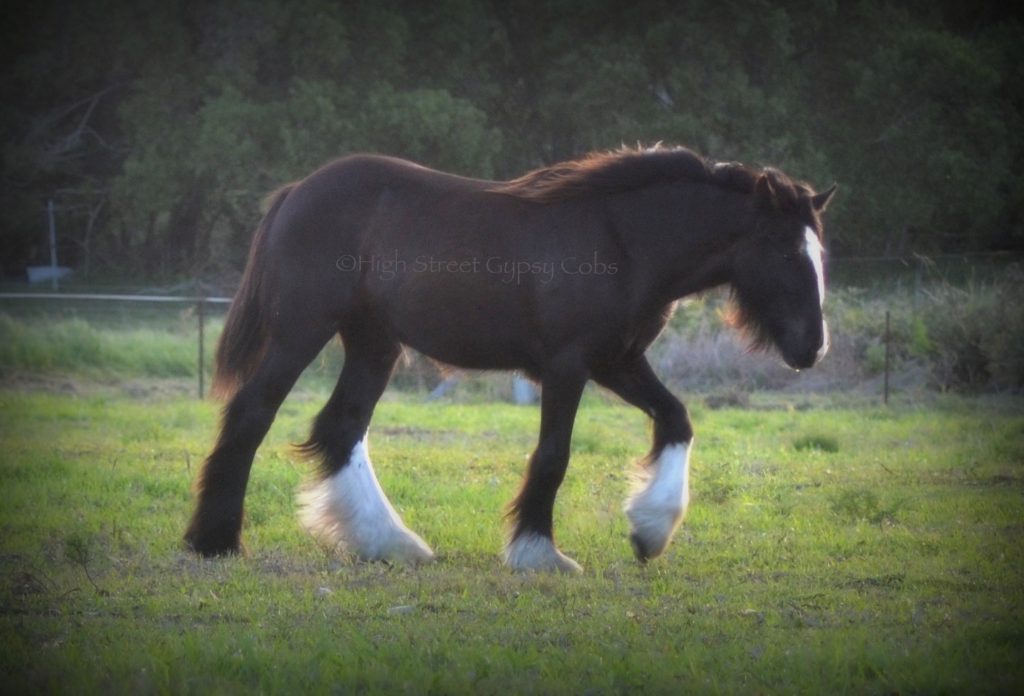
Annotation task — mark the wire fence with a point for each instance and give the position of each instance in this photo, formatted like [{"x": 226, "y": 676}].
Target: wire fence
[
  {"x": 878, "y": 283},
  {"x": 124, "y": 309}
]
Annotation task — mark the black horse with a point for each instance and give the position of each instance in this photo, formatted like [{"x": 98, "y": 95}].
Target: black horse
[{"x": 567, "y": 274}]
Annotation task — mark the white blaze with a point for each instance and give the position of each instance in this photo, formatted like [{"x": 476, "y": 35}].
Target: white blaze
[{"x": 815, "y": 252}]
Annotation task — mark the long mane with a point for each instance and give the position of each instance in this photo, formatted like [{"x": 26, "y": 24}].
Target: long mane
[{"x": 629, "y": 169}]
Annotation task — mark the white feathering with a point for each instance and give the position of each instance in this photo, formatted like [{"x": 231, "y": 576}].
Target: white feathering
[{"x": 349, "y": 509}]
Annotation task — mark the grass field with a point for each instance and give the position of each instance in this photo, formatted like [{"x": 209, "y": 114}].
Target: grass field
[{"x": 828, "y": 550}]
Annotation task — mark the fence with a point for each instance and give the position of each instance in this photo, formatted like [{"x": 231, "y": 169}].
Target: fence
[
  {"x": 420, "y": 374},
  {"x": 953, "y": 317},
  {"x": 199, "y": 303}
]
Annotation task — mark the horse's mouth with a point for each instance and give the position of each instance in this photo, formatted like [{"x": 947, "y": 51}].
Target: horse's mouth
[{"x": 808, "y": 354}]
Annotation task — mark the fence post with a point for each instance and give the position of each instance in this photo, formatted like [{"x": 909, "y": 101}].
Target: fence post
[
  {"x": 201, "y": 316},
  {"x": 54, "y": 285},
  {"x": 885, "y": 388}
]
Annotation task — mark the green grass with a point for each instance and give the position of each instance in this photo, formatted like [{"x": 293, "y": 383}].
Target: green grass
[
  {"x": 75, "y": 346},
  {"x": 140, "y": 347},
  {"x": 859, "y": 550}
]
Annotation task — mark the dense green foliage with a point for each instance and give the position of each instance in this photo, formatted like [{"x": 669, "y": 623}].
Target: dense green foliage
[
  {"x": 158, "y": 126},
  {"x": 850, "y": 551}
]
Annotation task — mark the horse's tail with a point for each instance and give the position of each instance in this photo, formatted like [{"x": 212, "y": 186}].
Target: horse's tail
[{"x": 244, "y": 339}]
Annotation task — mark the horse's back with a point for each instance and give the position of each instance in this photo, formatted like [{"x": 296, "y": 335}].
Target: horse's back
[
  {"x": 337, "y": 226},
  {"x": 467, "y": 275},
  {"x": 377, "y": 174}
]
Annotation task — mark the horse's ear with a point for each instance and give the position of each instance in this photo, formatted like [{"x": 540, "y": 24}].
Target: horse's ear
[
  {"x": 764, "y": 193},
  {"x": 820, "y": 201}
]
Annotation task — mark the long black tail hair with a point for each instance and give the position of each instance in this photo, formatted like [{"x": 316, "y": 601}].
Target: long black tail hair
[{"x": 244, "y": 339}]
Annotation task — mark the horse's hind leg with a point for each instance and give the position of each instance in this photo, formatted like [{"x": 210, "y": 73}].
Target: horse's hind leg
[
  {"x": 348, "y": 507},
  {"x": 216, "y": 525}
]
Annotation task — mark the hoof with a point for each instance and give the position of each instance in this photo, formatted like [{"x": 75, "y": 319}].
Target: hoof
[
  {"x": 652, "y": 530},
  {"x": 535, "y": 553},
  {"x": 369, "y": 534},
  {"x": 403, "y": 547},
  {"x": 658, "y": 505},
  {"x": 212, "y": 545},
  {"x": 639, "y": 548}
]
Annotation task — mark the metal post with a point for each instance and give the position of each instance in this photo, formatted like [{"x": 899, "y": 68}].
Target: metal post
[
  {"x": 53, "y": 244},
  {"x": 885, "y": 389},
  {"x": 201, "y": 316}
]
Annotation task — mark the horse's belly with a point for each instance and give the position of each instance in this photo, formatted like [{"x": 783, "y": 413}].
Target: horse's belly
[
  {"x": 472, "y": 339},
  {"x": 471, "y": 359}
]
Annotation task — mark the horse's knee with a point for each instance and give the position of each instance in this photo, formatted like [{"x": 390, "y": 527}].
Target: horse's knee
[{"x": 673, "y": 423}]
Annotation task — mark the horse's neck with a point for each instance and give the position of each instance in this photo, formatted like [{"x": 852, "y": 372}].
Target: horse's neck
[{"x": 688, "y": 246}]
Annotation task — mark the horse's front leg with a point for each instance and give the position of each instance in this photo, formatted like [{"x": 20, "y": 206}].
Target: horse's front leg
[
  {"x": 658, "y": 504},
  {"x": 531, "y": 545}
]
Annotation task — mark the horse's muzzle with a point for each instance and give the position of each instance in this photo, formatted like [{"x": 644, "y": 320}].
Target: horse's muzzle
[{"x": 807, "y": 351}]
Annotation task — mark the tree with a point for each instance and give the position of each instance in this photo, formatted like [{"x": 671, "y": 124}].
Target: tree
[{"x": 158, "y": 127}]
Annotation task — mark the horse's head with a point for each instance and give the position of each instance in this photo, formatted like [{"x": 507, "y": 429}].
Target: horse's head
[{"x": 778, "y": 276}]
